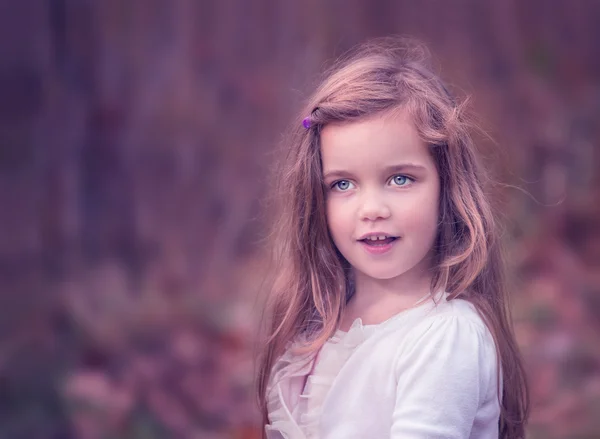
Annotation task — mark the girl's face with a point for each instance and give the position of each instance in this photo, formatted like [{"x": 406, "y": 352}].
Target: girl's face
[{"x": 381, "y": 183}]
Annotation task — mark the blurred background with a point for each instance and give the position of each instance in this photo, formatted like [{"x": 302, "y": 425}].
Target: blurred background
[{"x": 134, "y": 141}]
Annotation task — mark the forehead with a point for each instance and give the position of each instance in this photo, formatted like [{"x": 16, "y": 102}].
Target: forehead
[{"x": 373, "y": 143}]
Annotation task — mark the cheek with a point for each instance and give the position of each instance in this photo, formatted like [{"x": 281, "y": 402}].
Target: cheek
[
  {"x": 430, "y": 221},
  {"x": 332, "y": 216},
  {"x": 421, "y": 216},
  {"x": 336, "y": 218}
]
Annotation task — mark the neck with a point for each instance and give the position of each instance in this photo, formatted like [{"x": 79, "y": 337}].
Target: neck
[
  {"x": 370, "y": 290},
  {"x": 376, "y": 300}
]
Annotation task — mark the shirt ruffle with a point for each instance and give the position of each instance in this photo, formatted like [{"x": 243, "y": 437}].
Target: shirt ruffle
[{"x": 295, "y": 414}]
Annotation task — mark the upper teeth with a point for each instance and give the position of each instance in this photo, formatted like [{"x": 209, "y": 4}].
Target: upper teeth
[{"x": 376, "y": 238}]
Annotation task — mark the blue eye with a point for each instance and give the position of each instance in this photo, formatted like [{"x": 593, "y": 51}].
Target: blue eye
[
  {"x": 341, "y": 185},
  {"x": 401, "y": 180}
]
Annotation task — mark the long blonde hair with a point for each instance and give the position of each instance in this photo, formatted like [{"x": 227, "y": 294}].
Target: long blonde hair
[{"x": 312, "y": 282}]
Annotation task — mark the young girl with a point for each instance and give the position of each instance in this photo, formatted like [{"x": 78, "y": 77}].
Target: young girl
[{"x": 389, "y": 315}]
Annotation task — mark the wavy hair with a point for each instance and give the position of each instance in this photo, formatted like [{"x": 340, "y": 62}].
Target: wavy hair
[{"x": 313, "y": 284}]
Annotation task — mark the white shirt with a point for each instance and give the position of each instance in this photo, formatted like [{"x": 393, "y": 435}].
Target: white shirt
[{"x": 428, "y": 372}]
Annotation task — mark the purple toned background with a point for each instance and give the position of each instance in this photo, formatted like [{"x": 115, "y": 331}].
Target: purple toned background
[{"x": 134, "y": 140}]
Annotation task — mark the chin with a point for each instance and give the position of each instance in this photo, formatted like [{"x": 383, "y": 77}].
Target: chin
[
  {"x": 382, "y": 274},
  {"x": 389, "y": 269}
]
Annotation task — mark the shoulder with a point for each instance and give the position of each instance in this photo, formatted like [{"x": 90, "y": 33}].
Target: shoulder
[
  {"x": 456, "y": 308},
  {"x": 445, "y": 372},
  {"x": 450, "y": 332},
  {"x": 457, "y": 314},
  {"x": 438, "y": 319}
]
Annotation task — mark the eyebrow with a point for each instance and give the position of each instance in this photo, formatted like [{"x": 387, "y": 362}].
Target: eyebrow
[{"x": 387, "y": 170}]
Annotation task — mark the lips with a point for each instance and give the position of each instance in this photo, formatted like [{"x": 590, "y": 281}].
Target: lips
[
  {"x": 379, "y": 241},
  {"x": 378, "y": 244},
  {"x": 375, "y": 238}
]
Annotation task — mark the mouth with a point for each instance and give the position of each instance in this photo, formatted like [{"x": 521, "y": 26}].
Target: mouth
[{"x": 378, "y": 240}]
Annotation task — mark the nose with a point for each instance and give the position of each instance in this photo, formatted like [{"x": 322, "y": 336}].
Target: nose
[{"x": 373, "y": 206}]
